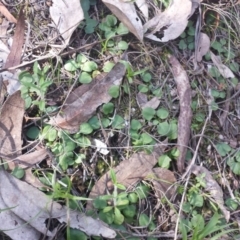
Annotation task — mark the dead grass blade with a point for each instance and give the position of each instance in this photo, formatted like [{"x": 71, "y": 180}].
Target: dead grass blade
[
  {"x": 185, "y": 115},
  {"x": 83, "y": 102}
]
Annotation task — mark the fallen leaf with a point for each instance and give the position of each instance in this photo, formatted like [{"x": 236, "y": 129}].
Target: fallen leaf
[
  {"x": 3, "y": 28},
  {"x": 203, "y": 46},
  {"x": 141, "y": 99},
  {"x": 80, "y": 107},
  {"x": 14, "y": 57},
  {"x": 129, "y": 172},
  {"x": 153, "y": 103},
  {"x": 223, "y": 69},
  {"x": 213, "y": 188},
  {"x": 34, "y": 208},
  {"x": 163, "y": 181},
  {"x": 142, "y": 5},
  {"x": 7, "y": 14},
  {"x": 174, "y": 19},
  {"x": 126, "y": 13},
  {"x": 11, "y": 128},
  {"x": 66, "y": 16},
  {"x": 185, "y": 115}
]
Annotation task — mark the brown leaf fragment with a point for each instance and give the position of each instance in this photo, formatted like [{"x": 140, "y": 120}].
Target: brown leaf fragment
[
  {"x": 11, "y": 127},
  {"x": 163, "y": 181},
  {"x": 14, "y": 57},
  {"x": 185, "y": 115},
  {"x": 33, "y": 207},
  {"x": 203, "y": 46},
  {"x": 128, "y": 172},
  {"x": 213, "y": 188},
  {"x": 7, "y": 14},
  {"x": 153, "y": 103},
  {"x": 79, "y": 108}
]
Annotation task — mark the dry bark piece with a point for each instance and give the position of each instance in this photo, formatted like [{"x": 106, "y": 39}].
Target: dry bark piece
[
  {"x": 213, "y": 188},
  {"x": 79, "y": 108},
  {"x": 185, "y": 115},
  {"x": 33, "y": 208},
  {"x": 126, "y": 13}
]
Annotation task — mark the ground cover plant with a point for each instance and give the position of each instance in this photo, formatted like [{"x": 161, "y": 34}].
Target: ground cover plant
[{"x": 120, "y": 119}]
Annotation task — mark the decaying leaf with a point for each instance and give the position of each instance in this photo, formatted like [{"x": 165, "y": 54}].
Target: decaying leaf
[
  {"x": 185, "y": 115},
  {"x": 80, "y": 107},
  {"x": 11, "y": 127},
  {"x": 223, "y": 69},
  {"x": 66, "y": 16},
  {"x": 14, "y": 57},
  {"x": 7, "y": 14},
  {"x": 126, "y": 13},
  {"x": 203, "y": 46},
  {"x": 141, "y": 99},
  {"x": 213, "y": 188},
  {"x": 142, "y": 5},
  {"x": 174, "y": 19},
  {"x": 139, "y": 166},
  {"x": 153, "y": 103},
  {"x": 32, "y": 207}
]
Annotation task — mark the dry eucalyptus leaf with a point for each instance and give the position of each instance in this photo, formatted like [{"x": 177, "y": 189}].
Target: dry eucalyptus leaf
[
  {"x": 11, "y": 127},
  {"x": 141, "y": 99},
  {"x": 213, "y": 188},
  {"x": 203, "y": 46},
  {"x": 33, "y": 207},
  {"x": 223, "y": 69},
  {"x": 185, "y": 115},
  {"x": 7, "y": 14},
  {"x": 128, "y": 172},
  {"x": 126, "y": 13},
  {"x": 174, "y": 19},
  {"x": 79, "y": 108},
  {"x": 153, "y": 103},
  {"x": 66, "y": 15}
]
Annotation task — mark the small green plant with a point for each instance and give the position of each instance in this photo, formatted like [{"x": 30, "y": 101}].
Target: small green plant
[
  {"x": 187, "y": 38},
  {"x": 34, "y": 86},
  {"x": 110, "y": 28},
  {"x": 234, "y": 163},
  {"x": 200, "y": 230},
  {"x": 88, "y": 68}
]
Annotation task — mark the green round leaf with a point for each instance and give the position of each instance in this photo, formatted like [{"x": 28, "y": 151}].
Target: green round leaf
[
  {"x": 99, "y": 203},
  {"x": 81, "y": 58},
  {"x": 146, "y": 138},
  {"x": 114, "y": 91},
  {"x": 118, "y": 122},
  {"x": 122, "y": 29},
  {"x": 148, "y": 113},
  {"x": 135, "y": 124},
  {"x": 83, "y": 141},
  {"x": 86, "y": 128},
  {"x": 163, "y": 128},
  {"x": 94, "y": 122},
  {"x": 144, "y": 220},
  {"x": 164, "y": 161},
  {"x": 18, "y": 172},
  {"x": 107, "y": 108},
  {"x": 77, "y": 234},
  {"x": 122, "y": 45},
  {"x": 85, "y": 78},
  {"x": 129, "y": 211},
  {"x": 71, "y": 66},
  {"x": 146, "y": 77},
  {"x": 133, "y": 197},
  {"x": 70, "y": 146},
  {"x": 89, "y": 66},
  {"x": 33, "y": 132},
  {"x": 107, "y": 67},
  {"x": 162, "y": 113},
  {"x": 111, "y": 20}
]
